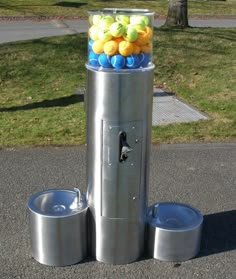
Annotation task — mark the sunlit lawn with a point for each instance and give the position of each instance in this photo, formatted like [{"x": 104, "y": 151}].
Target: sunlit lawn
[{"x": 39, "y": 79}]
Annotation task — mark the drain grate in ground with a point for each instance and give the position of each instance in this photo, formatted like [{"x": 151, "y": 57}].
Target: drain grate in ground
[{"x": 168, "y": 109}]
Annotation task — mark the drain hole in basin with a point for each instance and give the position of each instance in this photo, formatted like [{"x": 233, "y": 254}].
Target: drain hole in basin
[{"x": 58, "y": 208}]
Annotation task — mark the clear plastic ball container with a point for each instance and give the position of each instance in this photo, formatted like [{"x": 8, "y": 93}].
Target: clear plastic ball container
[{"x": 120, "y": 39}]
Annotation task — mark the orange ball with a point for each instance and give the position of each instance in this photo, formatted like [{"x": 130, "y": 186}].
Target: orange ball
[
  {"x": 147, "y": 48},
  {"x": 136, "y": 49},
  {"x": 118, "y": 40},
  {"x": 149, "y": 32},
  {"x": 143, "y": 38},
  {"x": 125, "y": 48},
  {"x": 98, "y": 46},
  {"x": 111, "y": 47}
]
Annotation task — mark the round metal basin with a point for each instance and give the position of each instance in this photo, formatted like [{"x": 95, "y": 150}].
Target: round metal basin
[
  {"x": 58, "y": 226},
  {"x": 174, "y": 231}
]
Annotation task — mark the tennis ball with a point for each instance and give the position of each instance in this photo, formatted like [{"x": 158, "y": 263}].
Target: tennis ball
[
  {"x": 90, "y": 20},
  {"x": 132, "y": 61},
  {"x": 104, "y": 35},
  {"x": 118, "y": 40},
  {"x": 90, "y": 43},
  {"x": 111, "y": 47},
  {"x": 106, "y": 22},
  {"x": 138, "y": 27},
  {"x": 131, "y": 34},
  {"x": 123, "y": 19},
  {"x": 136, "y": 19},
  {"x": 93, "y": 32},
  {"x": 96, "y": 19},
  {"x": 117, "y": 29},
  {"x": 145, "y": 58},
  {"x": 104, "y": 60},
  {"x": 142, "y": 39},
  {"x": 136, "y": 49},
  {"x": 118, "y": 61},
  {"x": 145, "y": 19},
  {"x": 98, "y": 46},
  {"x": 125, "y": 48},
  {"x": 93, "y": 59},
  {"x": 149, "y": 32},
  {"x": 147, "y": 48}
]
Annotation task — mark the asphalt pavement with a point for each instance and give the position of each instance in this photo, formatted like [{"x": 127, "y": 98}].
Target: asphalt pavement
[
  {"x": 15, "y": 30},
  {"x": 202, "y": 175}
]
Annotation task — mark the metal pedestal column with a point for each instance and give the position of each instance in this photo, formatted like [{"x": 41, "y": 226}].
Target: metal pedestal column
[{"x": 119, "y": 117}]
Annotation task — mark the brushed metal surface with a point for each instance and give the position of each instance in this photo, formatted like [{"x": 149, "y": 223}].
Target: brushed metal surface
[
  {"x": 174, "y": 231},
  {"x": 58, "y": 228},
  {"x": 121, "y": 181},
  {"x": 118, "y": 101},
  {"x": 117, "y": 241}
]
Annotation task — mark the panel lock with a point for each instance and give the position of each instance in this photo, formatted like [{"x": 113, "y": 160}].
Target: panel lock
[{"x": 124, "y": 147}]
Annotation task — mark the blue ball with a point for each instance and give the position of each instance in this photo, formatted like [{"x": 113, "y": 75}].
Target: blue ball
[
  {"x": 145, "y": 58},
  {"x": 132, "y": 61},
  {"x": 93, "y": 59},
  {"x": 105, "y": 60},
  {"x": 118, "y": 61},
  {"x": 90, "y": 43}
]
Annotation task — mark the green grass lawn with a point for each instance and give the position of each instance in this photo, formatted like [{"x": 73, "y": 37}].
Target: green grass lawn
[
  {"x": 39, "y": 78},
  {"x": 80, "y": 7}
]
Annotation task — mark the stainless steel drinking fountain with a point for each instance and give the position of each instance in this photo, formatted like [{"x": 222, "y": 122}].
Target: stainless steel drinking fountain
[
  {"x": 58, "y": 226},
  {"x": 119, "y": 114},
  {"x": 118, "y": 102},
  {"x": 174, "y": 231}
]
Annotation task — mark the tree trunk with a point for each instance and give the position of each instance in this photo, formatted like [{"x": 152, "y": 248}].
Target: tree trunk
[{"x": 177, "y": 13}]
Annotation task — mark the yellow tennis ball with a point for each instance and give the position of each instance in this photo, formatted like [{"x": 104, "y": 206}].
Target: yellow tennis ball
[
  {"x": 124, "y": 19},
  {"x": 138, "y": 19},
  {"x": 93, "y": 32},
  {"x": 131, "y": 34},
  {"x": 125, "y": 48},
  {"x": 136, "y": 49},
  {"x": 117, "y": 29},
  {"x": 96, "y": 19},
  {"x": 98, "y": 46},
  {"x": 147, "y": 48},
  {"x": 111, "y": 47},
  {"x": 90, "y": 20},
  {"x": 145, "y": 19},
  {"x": 106, "y": 22},
  {"x": 138, "y": 27},
  {"x": 104, "y": 35}
]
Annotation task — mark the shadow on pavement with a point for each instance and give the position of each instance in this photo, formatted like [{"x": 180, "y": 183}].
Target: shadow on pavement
[
  {"x": 59, "y": 102},
  {"x": 219, "y": 233}
]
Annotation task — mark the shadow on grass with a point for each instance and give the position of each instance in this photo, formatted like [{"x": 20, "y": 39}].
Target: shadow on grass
[
  {"x": 70, "y": 4},
  {"x": 219, "y": 233},
  {"x": 59, "y": 102}
]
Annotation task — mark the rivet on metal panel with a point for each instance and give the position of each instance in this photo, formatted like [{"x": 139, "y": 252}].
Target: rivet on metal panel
[
  {"x": 134, "y": 198},
  {"x": 137, "y": 140},
  {"x": 133, "y": 127},
  {"x": 132, "y": 164}
]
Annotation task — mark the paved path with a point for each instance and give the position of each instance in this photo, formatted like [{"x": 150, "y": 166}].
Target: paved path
[
  {"x": 202, "y": 175},
  {"x": 23, "y": 30}
]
